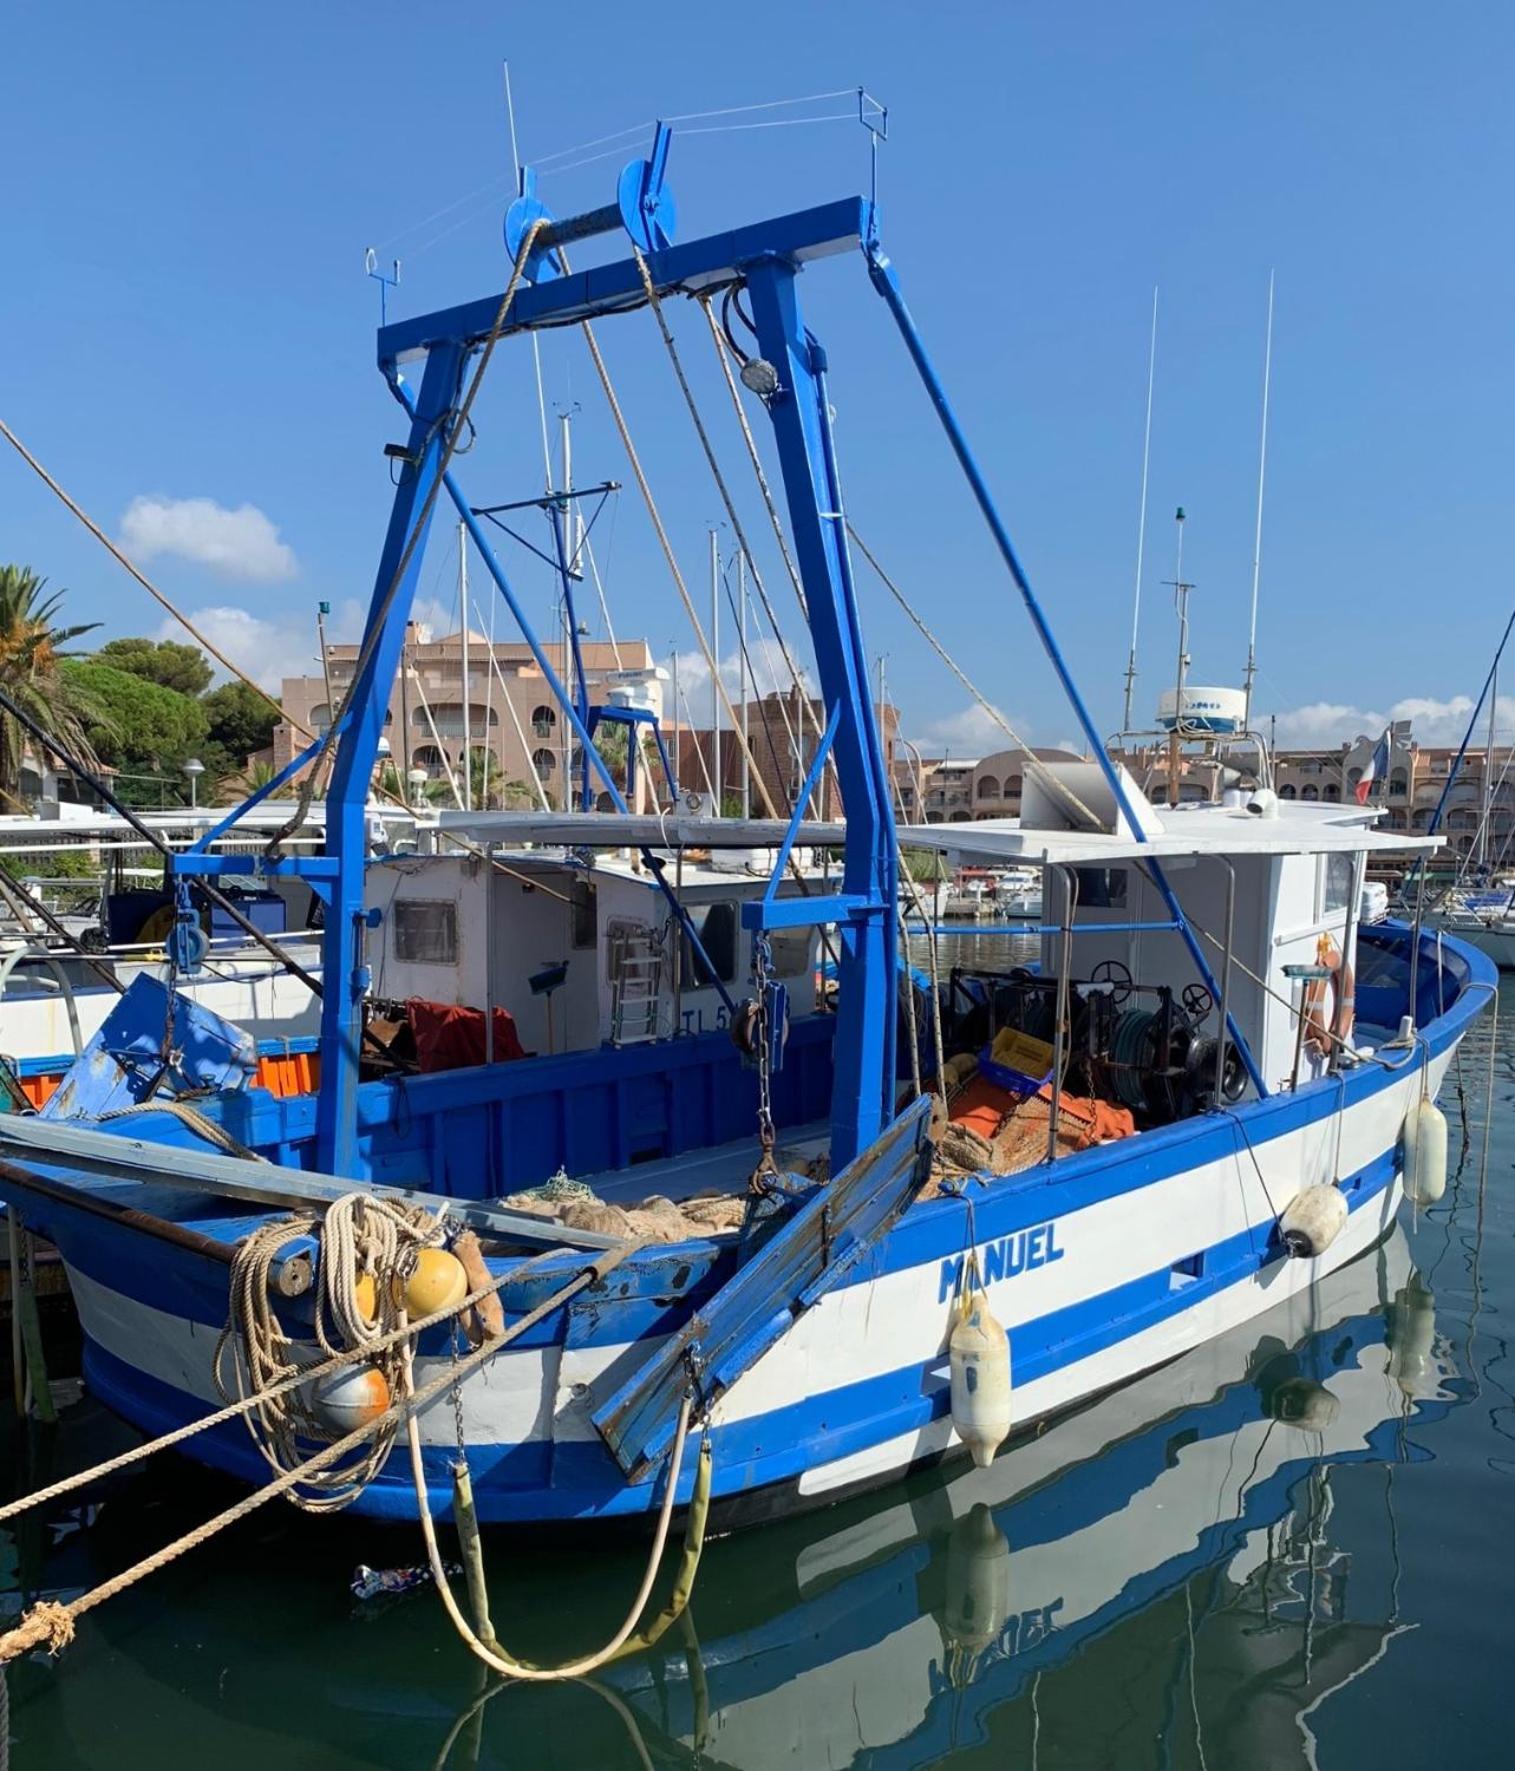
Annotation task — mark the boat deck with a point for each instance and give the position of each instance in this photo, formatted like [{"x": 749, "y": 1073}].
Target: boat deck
[{"x": 722, "y": 1169}]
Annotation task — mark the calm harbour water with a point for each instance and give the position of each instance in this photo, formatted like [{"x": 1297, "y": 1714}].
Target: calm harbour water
[{"x": 1293, "y": 1547}]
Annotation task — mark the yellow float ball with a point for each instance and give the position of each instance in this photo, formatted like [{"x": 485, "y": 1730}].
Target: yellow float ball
[
  {"x": 365, "y": 1295},
  {"x": 351, "y": 1397},
  {"x": 437, "y": 1283}
]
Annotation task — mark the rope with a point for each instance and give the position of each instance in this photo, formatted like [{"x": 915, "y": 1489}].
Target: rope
[
  {"x": 673, "y": 565},
  {"x": 775, "y": 520},
  {"x": 361, "y": 1238},
  {"x": 655, "y": 303},
  {"x": 189, "y": 1116},
  {"x": 49, "y": 1624},
  {"x": 379, "y": 615},
  {"x": 1033, "y": 763},
  {"x": 573, "y": 1669},
  {"x": 235, "y": 1410},
  {"x": 142, "y": 579}
]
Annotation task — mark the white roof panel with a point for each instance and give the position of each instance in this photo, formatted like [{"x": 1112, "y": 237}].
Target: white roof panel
[
  {"x": 616, "y": 830},
  {"x": 1186, "y": 830}
]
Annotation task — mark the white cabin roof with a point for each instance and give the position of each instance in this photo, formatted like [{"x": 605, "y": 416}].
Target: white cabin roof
[
  {"x": 615, "y": 830},
  {"x": 1174, "y": 830}
]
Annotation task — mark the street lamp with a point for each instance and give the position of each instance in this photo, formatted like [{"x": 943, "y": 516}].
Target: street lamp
[
  {"x": 417, "y": 779},
  {"x": 194, "y": 768}
]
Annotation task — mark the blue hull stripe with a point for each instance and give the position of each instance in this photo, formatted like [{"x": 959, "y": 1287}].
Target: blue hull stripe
[{"x": 543, "y": 1479}]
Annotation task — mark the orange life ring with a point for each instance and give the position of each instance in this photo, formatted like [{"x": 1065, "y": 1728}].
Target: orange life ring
[{"x": 1320, "y": 1034}]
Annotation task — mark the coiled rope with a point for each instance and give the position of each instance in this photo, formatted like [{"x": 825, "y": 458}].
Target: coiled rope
[
  {"x": 362, "y": 1238},
  {"x": 50, "y": 1625}
]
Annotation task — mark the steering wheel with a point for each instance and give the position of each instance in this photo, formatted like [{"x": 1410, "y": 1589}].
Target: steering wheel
[
  {"x": 1114, "y": 975},
  {"x": 1197, "y": 1001}
]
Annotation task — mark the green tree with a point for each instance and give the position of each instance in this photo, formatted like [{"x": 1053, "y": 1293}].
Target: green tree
[
  {"x": 32, "y": 675},
  {"x": 142, "y": 728},
  {"x": 238, "y": 723},
  {"x": 165, "y": 662}
]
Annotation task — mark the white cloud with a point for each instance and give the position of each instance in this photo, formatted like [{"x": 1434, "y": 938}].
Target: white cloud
[
  {"x": 968, "y": 732},
  {"x": 267, "y": 649},
  {"x": 1323, "y": 725},
  {"x": 240, "y": 543},
  {"x": 768, "y": 673}
]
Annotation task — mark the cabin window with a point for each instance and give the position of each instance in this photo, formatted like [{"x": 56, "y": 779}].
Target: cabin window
[
  {"x": 1336, "y": 882},
  {"x": 791, "y": 951},
  {"x": 426, "y": 931},
  {"x": 582, "y": 913},
  {"x": 1100, "y": 888},
  {"x": 716, "y": 926}
]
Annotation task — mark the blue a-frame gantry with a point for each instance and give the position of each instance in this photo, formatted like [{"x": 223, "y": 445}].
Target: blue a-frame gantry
[{"x": 766, "y": 259}]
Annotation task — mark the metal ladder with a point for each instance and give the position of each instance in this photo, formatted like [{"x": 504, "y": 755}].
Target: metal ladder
[{"x": 636, "y": 977}]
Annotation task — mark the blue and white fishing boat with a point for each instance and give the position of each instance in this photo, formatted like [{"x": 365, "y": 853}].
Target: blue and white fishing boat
[{"x": 1218, "y": 1128}]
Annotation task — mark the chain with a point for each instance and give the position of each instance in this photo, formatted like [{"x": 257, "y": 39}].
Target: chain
[
  {"x": 761, "y": 956},
  {"x": 453, "y": 1337}
]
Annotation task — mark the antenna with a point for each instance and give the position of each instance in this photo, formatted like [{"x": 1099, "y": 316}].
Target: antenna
[
  {"x": 1262, "y": 469},
  {"x": 1141, "y": 527},
  {"x": 1181, "y": 591},
  {"x": 392, "y": 281},
  {"x": 510, "y": 113}
]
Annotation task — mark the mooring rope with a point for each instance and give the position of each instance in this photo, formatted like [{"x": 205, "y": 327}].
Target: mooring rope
[
  {"x": 235, "y": 1410},
  {"x": 500, "y": 1662},
  {"x": 50, "y": 1624}
]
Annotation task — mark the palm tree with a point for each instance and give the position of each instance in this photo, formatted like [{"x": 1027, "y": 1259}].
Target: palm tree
[
  {"x": 244, "y": 782},
  {"x": 30, "y": 649}
]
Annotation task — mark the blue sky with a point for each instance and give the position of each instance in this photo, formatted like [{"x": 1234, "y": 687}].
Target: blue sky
[{"x": 190, "y": 190}]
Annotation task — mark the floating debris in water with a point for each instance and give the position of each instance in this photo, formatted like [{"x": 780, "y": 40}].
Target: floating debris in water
[{"x": 384, "y": 1584}]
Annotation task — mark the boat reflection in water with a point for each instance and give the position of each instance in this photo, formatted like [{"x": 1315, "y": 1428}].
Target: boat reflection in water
[
  {"x": 1204, "y": 1488},
  {"x": 1162, "y": 1565}
]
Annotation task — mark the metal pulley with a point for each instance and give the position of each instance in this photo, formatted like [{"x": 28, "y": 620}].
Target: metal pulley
[{"x": 643, "y": 206}]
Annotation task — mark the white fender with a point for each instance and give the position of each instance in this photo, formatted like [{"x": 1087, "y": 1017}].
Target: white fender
[
  {"x": 1312, "y": 1220},
  {"x": 978, "y": 1582},
  {"x": 1425, "y": 1152},
  {"x": 1301, "y": 1402},
  {"x": 979, "y": 1360},
  {"x": 1411, "y": 1337}
]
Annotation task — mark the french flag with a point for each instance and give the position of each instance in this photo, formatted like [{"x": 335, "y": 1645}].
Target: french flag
[{"x": 1378, "y": 765}]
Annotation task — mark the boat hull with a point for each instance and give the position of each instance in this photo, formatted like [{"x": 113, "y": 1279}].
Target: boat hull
[{"x": 1119, "y": 1260}]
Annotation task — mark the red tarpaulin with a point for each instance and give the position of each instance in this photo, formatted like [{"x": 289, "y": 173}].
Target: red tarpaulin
[{"x": 449, "y": 1037}]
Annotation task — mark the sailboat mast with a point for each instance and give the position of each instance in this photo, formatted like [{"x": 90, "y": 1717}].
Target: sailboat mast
[
  {"x": 715, "y": 683},
  {"x": 1488, "y": 771},
  {"x": 747, "y": 687},
  {"x": 467, "y": 710},
  {"x": 1262, "y": 470},
  {"x": 1141, "y": 525}
]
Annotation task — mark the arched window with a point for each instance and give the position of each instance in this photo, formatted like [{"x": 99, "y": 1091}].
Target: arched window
[
  {"x": 604, "y": 803},
  {"x": 1012, "y": 786},
  {"x": 1332, "y": 791},
  {"x": 1399, "y": 782},
  {"x": 320, "y": 717},
  {"x": 1286, "y": 791},
  {"x": 544, "y": 720},
  {"x": 428, "y": 757},
  {"x": 958, "y": 818},
  {"x": 544, "y": 762},
  {"x": 1311, "y": 791},
  {"x": 988, "y": 787}
]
